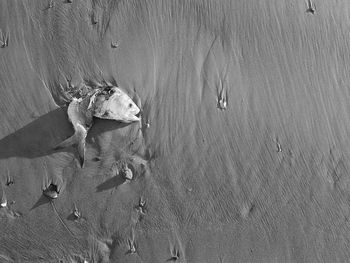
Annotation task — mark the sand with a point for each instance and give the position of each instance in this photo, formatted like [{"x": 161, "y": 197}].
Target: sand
[{"x": 264, "y": 179}]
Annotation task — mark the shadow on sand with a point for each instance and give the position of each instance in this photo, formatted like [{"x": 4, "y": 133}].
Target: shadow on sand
[
  {"x": 71, "y": 217},
  {"x": 40, "y": 137},
  {"x": 110, "y": 183},
  {"x": 41, "y": 201}
]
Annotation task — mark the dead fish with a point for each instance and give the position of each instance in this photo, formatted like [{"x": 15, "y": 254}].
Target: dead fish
[{"x": 108, "y": 103}]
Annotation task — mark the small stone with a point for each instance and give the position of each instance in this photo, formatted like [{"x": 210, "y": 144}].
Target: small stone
[
  {"x": 222, "y": 104},
  {"x": 128, "y": 174},
  {"x": 3, "y": 203},
  {"x": 76, "y": 213}
]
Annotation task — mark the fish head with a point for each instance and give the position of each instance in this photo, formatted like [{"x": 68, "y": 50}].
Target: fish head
[{"x": 116, "y": 105}]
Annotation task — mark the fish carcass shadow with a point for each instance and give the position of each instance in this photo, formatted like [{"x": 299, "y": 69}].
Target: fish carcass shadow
[
  {"x": 37, "y": 138},
  {"x": 40, "y": 137},
  {"x": 103, "y": 125}
]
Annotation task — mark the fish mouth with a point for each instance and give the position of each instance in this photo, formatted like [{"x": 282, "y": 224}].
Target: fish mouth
[{"x": 135, "y": 117}]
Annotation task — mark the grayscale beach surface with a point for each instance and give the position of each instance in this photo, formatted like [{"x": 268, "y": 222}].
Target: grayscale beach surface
[{"x": 242, "y": 154}]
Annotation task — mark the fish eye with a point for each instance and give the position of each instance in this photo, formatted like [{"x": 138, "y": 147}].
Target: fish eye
[{"x": 130, "y": 105}]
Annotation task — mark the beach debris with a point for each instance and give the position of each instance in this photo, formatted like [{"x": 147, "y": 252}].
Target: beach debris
[
  {"x": 246, "y": 209},
  {"x": 93, "y": 19},
  {"x": 279, "y": 147},
  {"x": 131, "y": 242},
  {"x": 76, "y": 212},
  {"x": 175, "y": 255},
  {"x": 4, "y": 41},
  {"x": 222, "y": 94},
  {"x": 142, "y": 206},
  {"x": 51, "y": 191},
  {"x": 69, "y": 1},
  {"x": 222, "y": 102},
  {"x": 16, "y": 214},
  {"x": 142, "y": 202},
  {"x": 9, "y": 180},
  {"x": 105, "y": 102},
  {"x": 3, "y": 202},
  {"x": 126, "y": 172},
  {"x": 222, "y": 98},
  {"x": 132, "y": 248},
  {"x": 114, "y": 45},
  {"x": 51, "y": 4},
  {"x": 221, "y": 259},
  {"x": 311, "y": 8}
]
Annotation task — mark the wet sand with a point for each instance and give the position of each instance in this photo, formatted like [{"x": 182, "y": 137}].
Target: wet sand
[{"x": 264, "y": 179}]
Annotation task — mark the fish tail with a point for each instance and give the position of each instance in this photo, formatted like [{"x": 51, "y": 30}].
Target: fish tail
[
  {"x": 81, "y": 152},
  {"x": 77, "y": 140}
]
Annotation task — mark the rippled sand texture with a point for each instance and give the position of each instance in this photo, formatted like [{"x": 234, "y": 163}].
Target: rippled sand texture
[{"x": 265, "y": 180}]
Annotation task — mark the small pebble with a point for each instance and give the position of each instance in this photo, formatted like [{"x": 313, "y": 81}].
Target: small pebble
[{"x": 3, "y": 203}]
